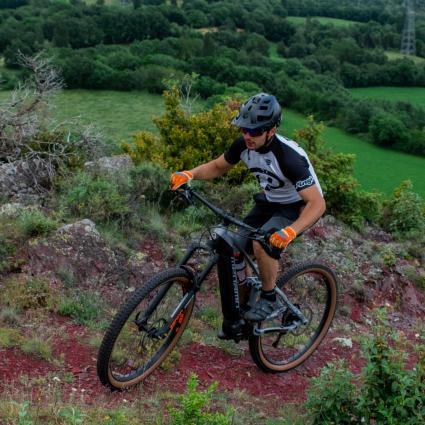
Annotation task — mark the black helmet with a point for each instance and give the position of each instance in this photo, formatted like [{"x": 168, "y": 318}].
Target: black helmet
[{"x": 259, "y": 111}]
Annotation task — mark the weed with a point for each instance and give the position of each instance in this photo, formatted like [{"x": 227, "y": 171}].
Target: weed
[
  {"x": 26, "y": 293},
  {"x": 9, "y": 315},
  {"x": 84, "y": 308},
  {"x": 39, "y": 348},
  {"x": 72, "y": 415},
  {"x": 196, "y": 406},
  {"x": 33, "y": 223},
  {"x": 10, "y": 338}
]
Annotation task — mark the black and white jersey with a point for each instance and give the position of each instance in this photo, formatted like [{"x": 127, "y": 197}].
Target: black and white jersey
[{"x": 282, "y": 168}]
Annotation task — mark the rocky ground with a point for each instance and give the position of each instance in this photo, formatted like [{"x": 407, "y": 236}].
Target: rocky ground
[{"x": 373, "y": 271}]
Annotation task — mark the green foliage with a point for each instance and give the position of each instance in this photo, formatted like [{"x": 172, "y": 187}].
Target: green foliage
[
  {"x": 331, "y": 396},
  {"x": 84, "y": 308},
  {"x": 404, "y": 212},
  {"x": 185, "y": 139},
  {"x": 27, "y": 293},
  {"x": 388, "y": 392},
  {"x": 72, "y": 415},
  {"x": 335, "y": 173},
  {"x": 94, "y": 197},
  {"x": 34, "y": 222},
  {"x": 38, "y": 347},
  {"x": 148, "y": 181},
  {"x": 10, "y": 337},
  {"x": 195, "y": 407}
]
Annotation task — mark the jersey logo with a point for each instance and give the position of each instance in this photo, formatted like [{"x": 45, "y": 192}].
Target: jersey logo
[
  {"x": 304, "y": 183},
  {"x": 267, "y": 180}
]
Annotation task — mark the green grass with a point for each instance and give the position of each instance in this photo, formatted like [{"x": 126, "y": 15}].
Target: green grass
[
  {"x": 300, "y": 20},
  {"x": 120, "y": 114},
  {"x": 375, "y": 167},
  {"x": 397, "y": 55},
  {"x": 273, "y": 55},
  {"x": 414, "y": 95}
]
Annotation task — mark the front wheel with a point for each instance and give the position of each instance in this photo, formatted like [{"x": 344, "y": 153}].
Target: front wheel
[
  {"x": 312, "y": 288},
  {"x": 145, "y": 330}
]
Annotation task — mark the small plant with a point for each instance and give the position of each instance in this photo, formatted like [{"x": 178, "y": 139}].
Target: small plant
[
  {"x": 35, "y": 223},
  {"x": 84, "y": 308},
  {"x": 38, "y": 347},
  {"x": 404, "y": 212},
  {"x": 23, "y": 414},
  {"x": 195, "y": 407},
  {"x": 72, "y": 416},
  {"x": 10, "y": 338},
  {"x": 388, "y": 392},
  {"x": 96, "y": 198},
  {"x": 27, "y": 293}
]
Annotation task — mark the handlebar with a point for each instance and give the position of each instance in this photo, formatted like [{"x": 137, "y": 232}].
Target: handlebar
[{"x": 188, "y": 193}]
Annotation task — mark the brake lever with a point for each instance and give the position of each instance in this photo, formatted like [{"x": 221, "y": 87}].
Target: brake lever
[{"x": 184, "y": 192}]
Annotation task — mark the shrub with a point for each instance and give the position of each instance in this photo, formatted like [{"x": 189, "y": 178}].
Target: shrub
[
  {"x": 148, "y": 181},
  {"x": 187, "y": 140},
  {"x": 388, "y": 392},
  {"x": 27, "y": 293},
  {"x": 195, "y": 407},
  {"x": 331, "y": 396},
  {"x": 94, "y": 197},
  {"x": 35, "y": 223},
  {"x": 404, "y": 212},
  {"x": 335, "y": 173},
  {"x": 84, "y": 308}
]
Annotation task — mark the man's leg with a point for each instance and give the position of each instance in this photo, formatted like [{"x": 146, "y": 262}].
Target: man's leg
[{"x": 268, "y": 267}]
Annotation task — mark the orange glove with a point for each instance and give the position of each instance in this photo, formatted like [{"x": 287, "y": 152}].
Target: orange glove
[
  {"x": 179, "y": 178},
  {"x": 281, "y": 238}
]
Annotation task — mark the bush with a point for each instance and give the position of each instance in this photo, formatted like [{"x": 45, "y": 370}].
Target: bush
[
  {"x": 331, "y": 396},
  {"x": 388, "y": 392},
  {"x": 335, "y": 173},
  {"x": 404, "y": 212},
  {"x": 35, "y": 223},
  {"x": 84, "y": 308},
  {"x": 27, "y": 293},
  {"x": 94, "y": 197},
  {"x": 148, "y": 181},
  {"x": 195, "y": 407},
  {"x": 187, "y": 140}
]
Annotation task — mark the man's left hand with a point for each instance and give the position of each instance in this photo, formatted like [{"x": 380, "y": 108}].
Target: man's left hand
[{"x": 281, "y": 238}]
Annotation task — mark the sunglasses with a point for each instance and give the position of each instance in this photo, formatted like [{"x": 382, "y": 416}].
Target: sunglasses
[{"x": 253, "y": 132}]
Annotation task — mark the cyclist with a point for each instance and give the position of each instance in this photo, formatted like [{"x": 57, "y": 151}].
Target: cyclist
[{"x": 291, "y": 199}]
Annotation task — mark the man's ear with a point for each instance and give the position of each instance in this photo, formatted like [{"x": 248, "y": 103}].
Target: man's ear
[{"x": 271, "y": 132}]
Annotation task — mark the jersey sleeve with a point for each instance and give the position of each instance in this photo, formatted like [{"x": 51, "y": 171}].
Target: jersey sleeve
[
  {"x": 233, "y": 154},
  {"x": 295, "y": 166},
  {"x": 298, "y": 171}
]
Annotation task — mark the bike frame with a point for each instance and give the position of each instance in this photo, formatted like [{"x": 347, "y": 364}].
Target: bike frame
[{"x": 221, "y": 247}]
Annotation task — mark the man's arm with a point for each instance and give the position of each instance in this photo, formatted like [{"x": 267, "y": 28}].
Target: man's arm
[
  {"x": 210, "y": 170},
  {"x": 313, "y": 210}
]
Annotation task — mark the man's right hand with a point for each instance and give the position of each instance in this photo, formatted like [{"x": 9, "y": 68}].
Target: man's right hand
[{"x": 179, "y": 178}]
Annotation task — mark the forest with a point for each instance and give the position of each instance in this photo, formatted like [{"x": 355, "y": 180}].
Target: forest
[{"x": 233, "y": 47}]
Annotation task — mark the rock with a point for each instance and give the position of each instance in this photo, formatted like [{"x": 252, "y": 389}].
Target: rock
[
  {"x": 344, "y": 342},
  {"x": 24, "y": 180},
  {"x": 12, "y": 210},
  {"x": 109, "y": 164},
  {"x": 86, "y": 225},
  {"x": 75, "y": 249}
]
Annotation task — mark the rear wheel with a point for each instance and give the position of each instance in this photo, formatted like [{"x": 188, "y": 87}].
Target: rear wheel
[
  {"x": 142, "y": 335},
  {"x": 312, "y": 288}
]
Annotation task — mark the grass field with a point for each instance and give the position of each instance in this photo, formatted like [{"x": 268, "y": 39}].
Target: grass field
[
  {"x": 120, "y": 114},
  {"x": 414, "y": 95},
  {"x": 300, "y": 20},
  {"x": 375, "y": 167},
  {"x": 397, "y": 55}
]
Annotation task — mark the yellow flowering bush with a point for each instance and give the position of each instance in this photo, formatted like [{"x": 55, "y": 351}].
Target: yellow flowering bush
[{"x": 187, "y": 139}]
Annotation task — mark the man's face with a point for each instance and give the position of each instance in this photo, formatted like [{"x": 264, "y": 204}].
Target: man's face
[{"x": 255, "y": 142}]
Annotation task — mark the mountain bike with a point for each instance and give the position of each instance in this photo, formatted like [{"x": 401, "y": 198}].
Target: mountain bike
[{"x": 151, "y": 321}]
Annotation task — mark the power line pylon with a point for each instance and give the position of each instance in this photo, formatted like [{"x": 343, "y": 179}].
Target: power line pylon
[{"x": 408, "y": 39}]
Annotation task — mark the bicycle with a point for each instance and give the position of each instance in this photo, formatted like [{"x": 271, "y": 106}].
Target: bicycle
[{"x": 150, "y": 322}]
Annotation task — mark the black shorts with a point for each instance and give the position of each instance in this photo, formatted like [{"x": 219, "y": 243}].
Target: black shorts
[{"x": 269, "y": 215}]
